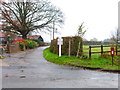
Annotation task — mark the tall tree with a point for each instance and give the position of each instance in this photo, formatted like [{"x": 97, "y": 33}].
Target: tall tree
[
  {"x": 116, "y": 35},
  {"x": 80, "y": 33},
  {"x": 25, "y": 17}
]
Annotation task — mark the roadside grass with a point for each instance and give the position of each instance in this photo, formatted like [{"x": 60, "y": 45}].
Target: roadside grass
[
  {"x": 96, "y": 62},
  {"x": 2, "y": 57}
]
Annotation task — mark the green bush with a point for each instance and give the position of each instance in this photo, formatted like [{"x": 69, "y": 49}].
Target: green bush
[
  {"x": 31, "y": 44},
  {"x": 22, "y": 45},
  {"x": 41, "y": 43},
  {"x": 54, "y": 46}
]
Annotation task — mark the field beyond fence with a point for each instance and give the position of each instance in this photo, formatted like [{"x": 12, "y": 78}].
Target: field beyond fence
[
  {"x": 70, "y": 47},
  {"x": 100, "y": 50}
]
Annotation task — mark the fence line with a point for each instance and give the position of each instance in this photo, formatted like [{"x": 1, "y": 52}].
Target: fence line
[{"x": 102, "y": 50}]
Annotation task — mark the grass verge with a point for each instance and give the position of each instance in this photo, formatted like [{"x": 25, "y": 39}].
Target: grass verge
[{"x": 96, "y": 62}]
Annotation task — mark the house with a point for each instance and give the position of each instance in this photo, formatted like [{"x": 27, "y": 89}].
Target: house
[
  {"x": 40, "y": 38},
  {"x": 3, "y": 38},
  {"x": 108, "y": 41},
  {"x": 37, "y": 38},
  {"x": 33, "y": 36}
]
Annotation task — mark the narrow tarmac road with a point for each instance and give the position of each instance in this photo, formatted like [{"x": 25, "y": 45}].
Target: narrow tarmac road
[{"x": 31, "y": 70}]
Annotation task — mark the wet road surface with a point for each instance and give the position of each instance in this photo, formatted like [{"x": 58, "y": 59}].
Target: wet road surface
[{"x": 31, "y": 70}]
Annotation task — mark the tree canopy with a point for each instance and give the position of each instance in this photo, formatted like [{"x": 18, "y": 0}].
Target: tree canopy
[
  {"x": 25, "y": 17},
  {"x": 80, "y": 31}
]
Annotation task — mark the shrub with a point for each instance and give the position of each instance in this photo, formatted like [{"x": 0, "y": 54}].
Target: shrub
[
  {"x": 36, "y": 40},
  {"x": 105, "y": 55},
  {"x": 41, "y": 43},
  {"x": 21, "y": 42},
  {"x": 54, "y": 46},
  {"x": 31, "y": 44},
  {"x": 22, "y": 45},
  {"x": 36, "y": 44}
]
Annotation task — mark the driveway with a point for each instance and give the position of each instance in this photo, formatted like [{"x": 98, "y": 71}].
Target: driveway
[{"x": 31, "y": 70}]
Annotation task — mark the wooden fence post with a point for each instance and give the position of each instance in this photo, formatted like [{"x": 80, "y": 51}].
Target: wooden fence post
[
  {"x": 101, "y": 50},
  {"x": 89, "y": 52},
  {"x": 116, "y": 49},
  {"x": 69, "y": 47}
]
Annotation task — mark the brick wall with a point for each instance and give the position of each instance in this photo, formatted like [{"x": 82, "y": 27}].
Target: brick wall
[{"x": 14, "y": 48}]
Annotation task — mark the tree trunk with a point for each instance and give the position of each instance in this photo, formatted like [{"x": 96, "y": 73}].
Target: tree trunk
[
  {"x": 80, "y": 48},
  {"x": 24, "y": 36},
  {"x": 78, "y": 51}
]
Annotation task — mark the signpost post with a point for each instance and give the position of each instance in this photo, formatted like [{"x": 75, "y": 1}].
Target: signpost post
[
  {"x": 60, "y": 43},
  {"x": 112, "y": 54}
]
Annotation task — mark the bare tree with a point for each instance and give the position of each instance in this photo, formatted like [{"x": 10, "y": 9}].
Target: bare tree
[
  {"x": 25, "y": 17},
  {"x": 80, "y": 33},
  {"x": 116, "y": 35}
]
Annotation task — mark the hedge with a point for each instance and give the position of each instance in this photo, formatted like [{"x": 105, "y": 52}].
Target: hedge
[{"x": 65, "y": 47}]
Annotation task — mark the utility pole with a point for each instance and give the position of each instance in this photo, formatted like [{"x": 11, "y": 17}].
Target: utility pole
[{"x": 53, "y": 29}]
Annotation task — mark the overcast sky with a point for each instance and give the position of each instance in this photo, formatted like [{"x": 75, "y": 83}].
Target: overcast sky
[{"x": 100, "y": 17}]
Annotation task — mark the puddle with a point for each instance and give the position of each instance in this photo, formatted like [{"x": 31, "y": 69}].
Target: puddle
[
  {"x": 22, "y": 76},
  {"x": 21, "y": 57},
  {"x": 22, "y": 70},
  {"x": 56, "y": 79},
  {"x": 6, "y": 75},
  {"x": 19, "y": 67}
]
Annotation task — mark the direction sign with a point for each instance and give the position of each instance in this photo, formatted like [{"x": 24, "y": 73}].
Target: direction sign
[{"x": 60, "y": 41}]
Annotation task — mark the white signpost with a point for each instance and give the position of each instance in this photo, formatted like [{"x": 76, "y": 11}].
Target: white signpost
[{"x": 60, "y": 42}]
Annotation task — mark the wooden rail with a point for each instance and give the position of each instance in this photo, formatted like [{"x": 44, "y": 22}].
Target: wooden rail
[{"x": 102, "y": 50}]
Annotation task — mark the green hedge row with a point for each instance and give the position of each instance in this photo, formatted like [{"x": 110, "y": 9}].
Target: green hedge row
[
  {"x": 65, "y": 47},
  {"x": 26, "y": 44}
]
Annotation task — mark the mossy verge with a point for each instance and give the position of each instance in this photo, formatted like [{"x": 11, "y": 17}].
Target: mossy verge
[{"x": 99, "y": 63}]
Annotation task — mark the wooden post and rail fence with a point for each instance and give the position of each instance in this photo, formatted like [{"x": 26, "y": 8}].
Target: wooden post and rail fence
[{"x": 102, "y": 50}]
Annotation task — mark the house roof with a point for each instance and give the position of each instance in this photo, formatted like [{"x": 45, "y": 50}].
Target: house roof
[
  {"x": 2, "y": 34},
  {"x": 33, "y": 36}
]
